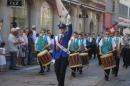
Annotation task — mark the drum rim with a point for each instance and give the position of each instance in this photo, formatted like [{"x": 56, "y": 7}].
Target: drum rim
[
  {"x": 42, "y": 52},
  {"x": 106, "y": 55},
  {"x": 83, "y": 54},
  {"x": 73, "y": 54}
]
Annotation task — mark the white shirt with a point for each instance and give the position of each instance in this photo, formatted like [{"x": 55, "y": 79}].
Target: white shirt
[
  {"x": 22, "y": 39},
  {"x": 25, "y": 38},
  {"x": 34, "y": 35},
  {"x": 48, "y": 40},
  {"x": 12, "y": 40},
  {"x": 79, "y": 43},
  {"x": 90, "y": 39},
  {"x": 113, "y": 42},
  {"x": 72, "y": 38}
]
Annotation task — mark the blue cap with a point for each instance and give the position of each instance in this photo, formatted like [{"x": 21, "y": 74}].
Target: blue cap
[
  {"x": 62, "y": 26},
  {"x": 1, "y": 20}
]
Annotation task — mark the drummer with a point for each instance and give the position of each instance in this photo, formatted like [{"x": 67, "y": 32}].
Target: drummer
[
  {"x": 106, "y": 45},
  {"x": 81, "y": 48},
  {"x": 42, "y": 42},
  {"x": 97, "y": 41},
  {"x": 73, "y": 47},
  {"x": 117, "y": 40}
]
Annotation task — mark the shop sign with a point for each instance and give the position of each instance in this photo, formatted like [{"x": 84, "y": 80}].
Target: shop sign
[
  {"x": 14, "y": 3},
  {"x": 83, "y": 16}
]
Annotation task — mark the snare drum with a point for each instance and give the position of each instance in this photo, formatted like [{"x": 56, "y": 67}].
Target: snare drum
[
  {"x": 108, "y": 61},
  {"x": 45, "y": 58},
  {"x": 74, "y": 60},
  {"x": 84, "y": 59}
]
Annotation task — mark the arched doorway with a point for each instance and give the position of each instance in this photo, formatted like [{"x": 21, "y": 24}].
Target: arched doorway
[
  {"x": 91, "y": 27},
  {"x": 46, "y": 16},
  {"x": 20, "y": 15}
]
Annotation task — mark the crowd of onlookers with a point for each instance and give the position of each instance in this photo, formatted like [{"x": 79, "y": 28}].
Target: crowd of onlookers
[{"x": 21, "y": 46}]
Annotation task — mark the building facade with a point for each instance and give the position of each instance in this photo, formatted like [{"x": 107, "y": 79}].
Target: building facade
[{"x": 42, "y": 14}]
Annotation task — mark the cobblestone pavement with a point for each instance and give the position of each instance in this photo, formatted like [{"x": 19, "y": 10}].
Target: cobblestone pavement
[{"x": 93, "y": 76}]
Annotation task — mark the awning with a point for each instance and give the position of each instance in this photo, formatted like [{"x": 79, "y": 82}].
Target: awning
[{"x": 86, "y": 6}]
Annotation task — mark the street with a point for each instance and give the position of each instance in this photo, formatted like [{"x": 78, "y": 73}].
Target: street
[{"x": 93, "y": 76}]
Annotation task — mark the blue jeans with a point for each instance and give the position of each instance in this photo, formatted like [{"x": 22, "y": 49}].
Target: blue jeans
[
  {"x": 13, "y": 59},
  {"x": 30, "y": 53}
]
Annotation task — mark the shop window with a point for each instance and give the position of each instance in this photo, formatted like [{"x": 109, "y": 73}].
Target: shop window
[
  {"x": 20, "y": 15},
  {"x": 46, "y": 16}
]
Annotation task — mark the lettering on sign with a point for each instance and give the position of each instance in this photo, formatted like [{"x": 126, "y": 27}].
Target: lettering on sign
[
  {"x": 83, "y": 16},
  {"x": 14, "y": 3}
]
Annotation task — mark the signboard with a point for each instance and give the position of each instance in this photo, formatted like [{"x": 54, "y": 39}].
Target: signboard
[
  {"x": 83, "y": 16},
  {"x": 14, "y": 3}
]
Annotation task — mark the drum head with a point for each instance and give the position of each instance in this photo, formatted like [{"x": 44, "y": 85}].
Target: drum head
[
  {"x": 107, "y": 55},
  {"x": 42, "y": 53},
  {"x": 73, "y": 54},
  {"x": 83, "y": 54}
]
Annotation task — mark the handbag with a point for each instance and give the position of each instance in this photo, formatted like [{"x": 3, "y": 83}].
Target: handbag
[{"x": 24, "y": 48}]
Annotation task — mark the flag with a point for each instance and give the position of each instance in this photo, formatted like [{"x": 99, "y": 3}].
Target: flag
[
  {"x": 61, "y": 10},
  {"x": 112, "y": 29}
]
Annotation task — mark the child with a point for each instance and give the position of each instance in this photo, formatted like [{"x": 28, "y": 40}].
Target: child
[{"x": 2, "y": 56}]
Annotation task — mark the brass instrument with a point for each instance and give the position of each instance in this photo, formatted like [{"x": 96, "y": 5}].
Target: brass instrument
[{"x": 119, "y": 50}]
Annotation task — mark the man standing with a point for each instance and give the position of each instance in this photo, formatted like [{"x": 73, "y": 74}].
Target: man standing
[
  {"x": 42, "y": 42},
  {"x": 26, "y": 31},
  {"x": 106, "y": 44},
  {"x": 61, "y": 55},
  {"x": 97, "y": 41},
  {"x": 89, "y": 45},
  {"x": 13, "y": 48},
  {"x": 117, "y": 40}
]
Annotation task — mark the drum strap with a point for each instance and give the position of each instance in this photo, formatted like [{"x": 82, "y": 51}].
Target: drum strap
[{"x": 106, "y": 43}]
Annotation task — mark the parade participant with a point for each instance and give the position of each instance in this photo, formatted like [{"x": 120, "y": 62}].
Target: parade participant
[
  {"x": 125, "y": 42},
  {"x": 81, "y": 48},
  {"x": 61, "y": 54},
  {"x": 94, "y": 45},
  {"x": 117, "y": 40},
  {"x": 89, "y": 45},
  {"x": 42, "y": 42},
  {"x": 73, "y": 47},
  {"x": 97, "y": 41},
  {"x": 106, "y": 44}
]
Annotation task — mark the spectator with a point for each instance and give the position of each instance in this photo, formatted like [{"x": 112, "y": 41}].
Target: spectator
[
  {"x": 48, "y": 31},
  {"x": 30, "y": 47},
  {"x": 13, "y": 48},
  {"x": 2, "y": 56},
  {"x": 22, "y": 49},
  {"x": 34, "y": 32},
  {"x": 26, "y": 31},
  {"x": 1, "y": 24}
]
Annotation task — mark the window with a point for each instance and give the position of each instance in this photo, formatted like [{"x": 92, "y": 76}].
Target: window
[
  {"x": 20, "y": 15},
  {"x": 46, "y": 17},
  {"x": 129, "y": 13},
  {"x": 113, "y": 6},
  {"x": 81, "y": 23},
  {"x": 123, "y": 10}
]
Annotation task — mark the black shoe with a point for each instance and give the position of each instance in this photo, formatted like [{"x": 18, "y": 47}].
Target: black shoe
[
  {"x": 43, "y": 73},
  {"x": 30, "y": 63},
  {"x": 73, "y": 74},
  {"x": 15, "y": 69},
  {"x": 80, "y": 72},
  {"x": 126, "y": 66},
  {"x": 10, "y": 68},
  {"x": 106, "y": 79},
  {"x": 116, "y": 75},
  {"x": 40, "y": 71},
  {"x": 23, "y": 64},
  {"x": 123, "y": 65}
]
